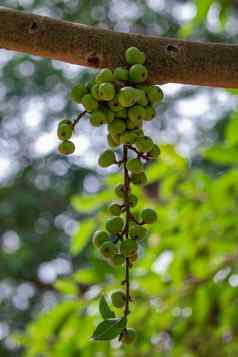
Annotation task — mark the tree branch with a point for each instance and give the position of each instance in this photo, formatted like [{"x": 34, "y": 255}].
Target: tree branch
[
  {"x": 170, "y": 296},
  {"x": 169, "y": 60}
]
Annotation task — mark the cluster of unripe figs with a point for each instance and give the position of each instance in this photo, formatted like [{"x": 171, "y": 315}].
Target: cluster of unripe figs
[{"x": 122, "y": 100}]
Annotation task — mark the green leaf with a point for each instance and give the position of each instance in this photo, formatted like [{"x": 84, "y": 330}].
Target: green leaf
[
  {"x": 86, "y": 276},
  {"x": 232, "y": 130},
  {"x": 171, "y": 158},
  {"x": 104, "y": 309},
  {"x": 202, "y": 10},
  {"x": 224, "y": 13},
  {"x": 82, "y": 235},
  {"x": 109, "y": 329},
  {"x": 201, "y": 14},
  {"x": 86, "y": 203},
  {"x": 113, "y": 179},
  {"x": 222, "y": 154},
  {"x": 52, "y": 322},
  {"x": 186, "y": 30},
  {"x": 66, "y": 286},
  {"x": 233, "y": 91}
]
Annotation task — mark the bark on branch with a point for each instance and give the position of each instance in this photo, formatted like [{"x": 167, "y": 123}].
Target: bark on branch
[{"x": 169, "y": 60}]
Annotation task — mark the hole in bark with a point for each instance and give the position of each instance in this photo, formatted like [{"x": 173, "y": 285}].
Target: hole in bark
[
  {"x": 93, "y": 60},
  {"x": 33, "y": 26},
  {"x": 172, "y": 48}
]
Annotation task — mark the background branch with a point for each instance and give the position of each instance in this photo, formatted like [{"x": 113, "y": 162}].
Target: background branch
[
  {"x": 168, "y": 59},
  {"x": 170, "y": 296},
  {"x": 228, "y": 261}
]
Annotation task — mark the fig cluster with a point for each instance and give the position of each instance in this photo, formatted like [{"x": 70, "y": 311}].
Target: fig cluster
[
  {"x": 110, "y": 242},
  {"x": 122, "y": 100},
  {"x": 65, "y": 132}
]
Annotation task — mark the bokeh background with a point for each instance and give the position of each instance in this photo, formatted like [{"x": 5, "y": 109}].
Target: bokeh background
[{"x": 185, "y": 286}]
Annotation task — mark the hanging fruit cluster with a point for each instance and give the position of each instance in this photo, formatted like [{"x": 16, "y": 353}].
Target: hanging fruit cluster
[{"x": 123, "y": 101}]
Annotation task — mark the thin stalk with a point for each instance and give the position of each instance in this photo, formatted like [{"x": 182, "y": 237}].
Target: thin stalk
[
  {"x": 80, "y": 115},
  {"x": 127, "y": 212}
]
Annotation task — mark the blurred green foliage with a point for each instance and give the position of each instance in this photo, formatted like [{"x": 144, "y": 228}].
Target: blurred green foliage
[
  {"x": 222, "y": 7},
  {"x": 185, "y": 284}
]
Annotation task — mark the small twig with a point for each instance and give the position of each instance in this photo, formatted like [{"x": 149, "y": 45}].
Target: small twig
[
  {"x": 133, "y": 149},
  {"x": 119, "y": 237},
  {"x": 124, "y": 230},
  {"x": 135, "y": 220},
  {"x": 139, "y": 154},
  {"x": 75, "y": 122},
  {"x": 119, "y": 162}
]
